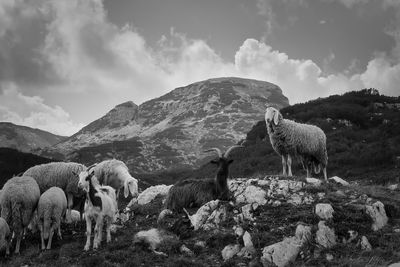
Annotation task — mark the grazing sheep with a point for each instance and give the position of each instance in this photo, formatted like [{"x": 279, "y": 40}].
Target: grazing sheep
[
  {"x": 196, "y": 192},
  {"x": 51, "y": 208},
  {"x": 291, "y": 139},
  {"x": 60, "y": 174},
  {"x": 5, "y": 235},
  {"x": 19, "y": 201},
  {"x": 100, "y": 205},
  {"x": 116, "y": 174}
]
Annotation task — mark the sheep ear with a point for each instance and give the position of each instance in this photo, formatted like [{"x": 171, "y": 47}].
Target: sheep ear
[
  {"x": 276, "y": 117},
  {"x": 133, "y": 187},
  {"x": 214, "y": 162},
  {"x": 230, "y": 161},
  {"x": 74, "y": 173},
  {"x": 126, "y": 188}
]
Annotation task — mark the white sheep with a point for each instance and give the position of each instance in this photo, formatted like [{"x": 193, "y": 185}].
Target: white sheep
[
  {"x": 60, "y": 174},
  {"x": 18, "y": 202},
  {"x": 100, "y": 205},
  {"x": 116, "y": 174},
  {"x": 5, "y": 235},
  {"x": 292, "y": 139},
  {"x": 51, "y": 208}
]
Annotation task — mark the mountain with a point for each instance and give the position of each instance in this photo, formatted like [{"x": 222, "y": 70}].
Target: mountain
[
  {"x": 172, "y": 130},
  {"x": 26, "y": 139}
]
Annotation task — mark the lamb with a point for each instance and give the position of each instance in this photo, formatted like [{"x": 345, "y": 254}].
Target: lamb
[
  {"x": 303, "y": 141},
  {"x": 100, "y": 205},
  {"x": 5, "y": 235},
  {"x": 60, "y": 174},
  {"x": 196, "y": 192},
  {"x": 51, "y": 208},
  {"x": 19, "y": 200},
  {"x": 116, "y": 174}
]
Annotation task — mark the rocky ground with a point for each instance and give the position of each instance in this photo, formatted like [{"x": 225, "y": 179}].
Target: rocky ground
[{"x": 270, "y": 221}]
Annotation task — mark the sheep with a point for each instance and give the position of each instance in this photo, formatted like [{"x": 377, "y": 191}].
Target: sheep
[
  {"x": 292, "y": 139},
  {"x": 116, "y": 174},
  {"x": 18, "y": 202},
  {"x": 60, "y": 174},
  {"x": 100, "y": 205},
  {"x": 52, "y": 207},
  {"x": 5, "y": 235},
  {"x": 196, "y": 192}
]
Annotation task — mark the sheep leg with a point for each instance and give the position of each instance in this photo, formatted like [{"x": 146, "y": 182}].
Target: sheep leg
[
  {"x": 289, "y": 165},
  {"x": 42, "y": 237},
  {"x": 50, "y": 237},
  {"x": 69, "y": 207},
  {"x": 59, "y": 231},
  {"x": 108, "y": 230},
  {"x": 98, "y": 232},
  {"x": 19, "y": 237},
  {"x": 88, "y": 232},
  {"x": 8, "y": 248},
  {"x": 325, "y": 175},
  {"x": 284, "y": 165}
]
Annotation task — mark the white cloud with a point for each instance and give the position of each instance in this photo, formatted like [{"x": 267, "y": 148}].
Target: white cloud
[{"x": 31, "y": 111}]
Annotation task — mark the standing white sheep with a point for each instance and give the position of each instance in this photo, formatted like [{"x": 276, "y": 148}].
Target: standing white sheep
[
  {"x": 291, "y": 139},
  {"x": 51, "y": 208},
  {"x": 116, "y": 174},
  {"x": 60, "y": 174},
  {"x": 18, "y": 202}
]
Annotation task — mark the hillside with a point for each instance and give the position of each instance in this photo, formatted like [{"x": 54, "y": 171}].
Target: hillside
[
  {"x": 363, "y": 140},
  {"x": 26, "y": 139},
  {"x": 172, "y": 131},
  {"x": 13, "y": 162}
]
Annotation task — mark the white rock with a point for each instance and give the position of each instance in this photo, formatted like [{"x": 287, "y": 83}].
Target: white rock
[
  {"x": 252, "y": 194},
  {"x": 281, "y": 253},
  {"x": 200, "y": 243},
  {"x": 329, "y": 257},
  {"x": 238, "y": 231},
  {"x": 153, "y": 237},
  {"x": 393, "y": 187},
  {"x": 339, "y": 180},
  {"x": 324, "y": 211},
  {"x": 365, "y": 245},
  {"x": 378, "y": 215},
  {"x": 284, "y": 187},
  {"x": 247, "y": 240},
  {"x": 303, "y": 233},
  {"x": 185, "y": 250},
  {"x": 395, "y": 264},
  {"x": 152, "y": 192},
  {"x": 325, "y": 236},
  {"x": 230, "y": 251},
  {"x": 247, "y": 252},
  {"x": 247, "y": 211},
  {"x": 122, "y": 217},
  {"x": 208, "y": 216},
  {"x": 300, "y": 198},
  {"x": 114, "y": 228},
  {"x": 314, "y": 181}
]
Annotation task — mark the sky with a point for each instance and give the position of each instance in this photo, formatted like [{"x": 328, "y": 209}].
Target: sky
[{"x": 64, "y": 64}]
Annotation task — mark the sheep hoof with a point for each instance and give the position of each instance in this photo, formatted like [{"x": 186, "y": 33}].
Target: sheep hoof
[{"x": 86, "y": 248}]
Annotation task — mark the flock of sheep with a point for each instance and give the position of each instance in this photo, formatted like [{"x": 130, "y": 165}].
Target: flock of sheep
[{"x": 45, "y": 194}]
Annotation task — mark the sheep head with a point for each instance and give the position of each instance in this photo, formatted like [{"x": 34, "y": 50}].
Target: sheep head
[
  {"x": 85, "y": 177},
  {"x": 272, "y": 115},
  {"x": 222, "y": 158}
]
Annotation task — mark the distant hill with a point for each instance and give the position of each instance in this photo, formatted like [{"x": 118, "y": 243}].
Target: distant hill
[
  {"x": 363, "y": 140},
  {"x": 26, "y": 139},
  {"x": 13, "y": 162},
  {"x": 172, "y": 131}
]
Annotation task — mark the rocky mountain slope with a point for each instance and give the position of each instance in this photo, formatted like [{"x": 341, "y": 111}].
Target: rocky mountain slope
[
  {"x": 174, "y": 129},
  {"x": 270, "y": 221},
  {"x": 26, "y": 139}
]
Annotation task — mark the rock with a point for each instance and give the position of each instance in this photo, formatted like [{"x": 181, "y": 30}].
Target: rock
[
  {"x": 314, "y": 181},
  {"x": 395, "y": 264},
  {"x": 324, "y": 211},
  {"x": 247, "y": 240},
  {"x": 252, "y": 194},
  {"x": 154, "y": 238},
  {"x": 365, "y": 245},
  {"x": 300, "y": 198},
  {"x": 114, "y": 228},
  {"x": 247, "y": 211},
  {"x": 121, "y": 218},
  {"x": 200, "y": 244},
  {"x": 238, "y": 231},
  {"x": 247, "y": 252},
  {"x": 325, "y": 236},
  {"x": 230, "y": 251},
  {"x": 286, "y": 251},
  {"x": 353, "y": 235},
  {"x": 329, "y": 257},
  {"x": 393, "y": 187},
  {"x": 163, "y": 213},
  {"x": 281, "y": 253},
  {"x": 208, "y": 216},
  {"x": 185, "y": 250},
  {"x": 152, "y": 192},
  {"x": 284, "y": 187},
  {"x": 340, "y": 194},
  {"x": 339, "y": 180},
  {"x": 378, "y": 215}
]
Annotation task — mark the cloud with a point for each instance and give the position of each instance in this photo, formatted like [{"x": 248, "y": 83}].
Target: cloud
[{"x": 31, "y": 111}]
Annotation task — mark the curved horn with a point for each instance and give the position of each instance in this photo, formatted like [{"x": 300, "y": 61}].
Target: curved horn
[
  {"x": 216, "y": 150},
  {"x": 230, "y": 149},
  {"x": 90, "y": 167}
]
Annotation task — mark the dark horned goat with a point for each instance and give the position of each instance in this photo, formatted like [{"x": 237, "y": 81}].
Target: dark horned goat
[{"x": 196, "y": 192}]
